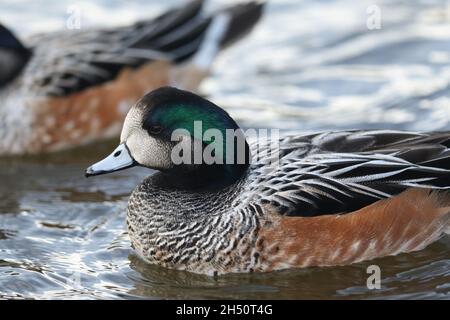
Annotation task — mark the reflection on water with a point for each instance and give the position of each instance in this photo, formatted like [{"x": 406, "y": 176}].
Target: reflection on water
[{"x": 311, "y": 65}]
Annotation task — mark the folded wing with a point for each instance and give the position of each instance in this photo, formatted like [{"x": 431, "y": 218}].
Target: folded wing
[{"x": 341, "y": 172}]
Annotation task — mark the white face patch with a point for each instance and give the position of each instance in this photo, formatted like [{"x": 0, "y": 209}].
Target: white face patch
[{"x": 146, "y": 150}]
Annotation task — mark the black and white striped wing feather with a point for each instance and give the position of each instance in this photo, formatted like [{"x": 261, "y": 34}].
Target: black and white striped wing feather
[{"x": 340, "y": 172}]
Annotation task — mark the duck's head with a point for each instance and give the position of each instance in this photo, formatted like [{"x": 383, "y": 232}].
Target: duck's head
[
  {"x": 13, "y": 55},
  {"x": 178, "y": 132}
]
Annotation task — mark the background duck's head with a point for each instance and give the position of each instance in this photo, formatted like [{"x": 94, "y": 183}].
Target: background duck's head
[
  {"x": 176, "y": 131},
  {"x": 13, "y": 55}
]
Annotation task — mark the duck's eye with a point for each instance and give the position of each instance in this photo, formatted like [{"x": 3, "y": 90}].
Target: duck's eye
[{"x": 155, "y": 129}]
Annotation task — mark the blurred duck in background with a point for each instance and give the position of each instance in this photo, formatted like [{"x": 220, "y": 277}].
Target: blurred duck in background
[{"x": 61, "y": 91}]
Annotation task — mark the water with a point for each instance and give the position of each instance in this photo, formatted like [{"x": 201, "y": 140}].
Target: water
[{"x": 310, "y": 65}]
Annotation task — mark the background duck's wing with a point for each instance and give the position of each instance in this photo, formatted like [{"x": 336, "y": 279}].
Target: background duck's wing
[
  {"x": 65, "y": 63},
  {"x": 341, "y": 172}
]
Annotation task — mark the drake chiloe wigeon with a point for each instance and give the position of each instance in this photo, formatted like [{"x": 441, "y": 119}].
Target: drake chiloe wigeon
[
  {"x": 69, "y": 88},
  {"x": 333, "y": 198}
]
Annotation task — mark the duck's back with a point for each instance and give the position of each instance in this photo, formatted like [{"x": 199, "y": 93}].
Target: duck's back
[{"x": 339, "y": 172}]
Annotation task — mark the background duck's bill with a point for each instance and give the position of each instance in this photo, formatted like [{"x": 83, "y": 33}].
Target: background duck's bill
[{"x": 119, "y": 159}]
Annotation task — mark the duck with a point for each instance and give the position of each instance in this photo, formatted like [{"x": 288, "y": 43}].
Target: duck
[
  {"x": 280, "y": 202},
  {"x": 69, "y": 88}
]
